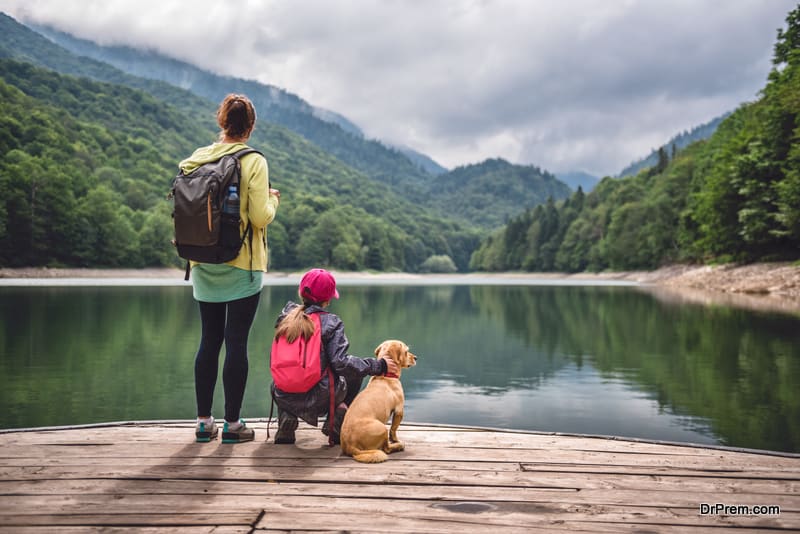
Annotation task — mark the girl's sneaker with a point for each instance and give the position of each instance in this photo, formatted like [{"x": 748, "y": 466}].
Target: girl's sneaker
[
  {"x": 237, "y": 432},
  {"x": 205, "y": 432}
]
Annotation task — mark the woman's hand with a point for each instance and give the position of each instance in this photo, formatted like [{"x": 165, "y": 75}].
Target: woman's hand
[{"x": 276, "y": 193}]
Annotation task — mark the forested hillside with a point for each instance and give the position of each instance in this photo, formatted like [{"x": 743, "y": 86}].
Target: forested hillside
[
  {"x": 411, "y": 175},
  {"x": 734, "y": 197},
  {"x": 86, "y": 166}
]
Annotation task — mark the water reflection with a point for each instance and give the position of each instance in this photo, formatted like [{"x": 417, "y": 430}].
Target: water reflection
[{"x": 598, "y": 360}]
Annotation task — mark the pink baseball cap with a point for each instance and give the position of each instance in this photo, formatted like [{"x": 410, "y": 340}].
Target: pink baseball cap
[{"x": 318, "y": 285}]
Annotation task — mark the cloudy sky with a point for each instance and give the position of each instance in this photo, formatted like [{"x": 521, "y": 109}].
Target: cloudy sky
[{"x": 586, "y": 85}]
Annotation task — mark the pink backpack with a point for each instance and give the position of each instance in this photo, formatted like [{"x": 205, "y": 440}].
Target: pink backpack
[{"x": 295, "y": 366}]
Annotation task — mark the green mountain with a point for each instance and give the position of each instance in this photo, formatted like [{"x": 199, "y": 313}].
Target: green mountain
[
  {"x": 488, "y": 193},
  {"x": 86, "y": 166},
  {"x": 408, "y": 172},
  {"x": 380, "y": 220},
  {"x": 732, "y": 197},
  {"x": 328, "y": 130}
]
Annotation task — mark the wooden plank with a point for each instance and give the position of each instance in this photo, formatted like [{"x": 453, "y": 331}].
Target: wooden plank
[
  {"x": 414, "y": 452},
  {"x": 208, "y": 453},
  {"x": 440, "y": 493},
  {"x": 402, "y": 521},
  {"x": 105, "y": 529},
  {"x": 488, "y": 479},
  {"x": 398, "y": 462},
  {"x": 131, "y": 520},
  {"x": 146, "y": 510}
]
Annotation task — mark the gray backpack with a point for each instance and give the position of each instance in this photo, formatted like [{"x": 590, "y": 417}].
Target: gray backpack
[{"x": 203, "y": 231}]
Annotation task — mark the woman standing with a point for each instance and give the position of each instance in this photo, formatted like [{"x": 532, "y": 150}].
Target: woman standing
[{"x": 228, "y": 293}]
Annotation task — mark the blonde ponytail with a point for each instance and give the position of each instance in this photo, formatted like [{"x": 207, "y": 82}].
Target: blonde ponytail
[{"x": 295, "y": 324}]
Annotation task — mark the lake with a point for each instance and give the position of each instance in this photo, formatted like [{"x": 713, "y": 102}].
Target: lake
[{"x": 599, "y": 359}]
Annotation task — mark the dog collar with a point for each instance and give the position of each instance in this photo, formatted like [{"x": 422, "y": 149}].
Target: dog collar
[{"x": 390, "y": 375}]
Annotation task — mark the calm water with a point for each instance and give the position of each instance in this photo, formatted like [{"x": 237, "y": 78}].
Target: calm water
[{"x": 594, "y": 360}]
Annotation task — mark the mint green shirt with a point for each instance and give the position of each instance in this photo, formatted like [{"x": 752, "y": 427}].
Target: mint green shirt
[{"x": 223, "y": 282}]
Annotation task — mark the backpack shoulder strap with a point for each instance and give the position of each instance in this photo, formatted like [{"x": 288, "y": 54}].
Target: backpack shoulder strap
[{"x": 244, "y": 152}]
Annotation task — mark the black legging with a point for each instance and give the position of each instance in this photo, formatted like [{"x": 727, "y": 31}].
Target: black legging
[{"x": 233, "y": 330}]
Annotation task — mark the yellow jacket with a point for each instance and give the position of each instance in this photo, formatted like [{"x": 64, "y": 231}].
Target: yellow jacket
[{"x": 257, "y": 206}]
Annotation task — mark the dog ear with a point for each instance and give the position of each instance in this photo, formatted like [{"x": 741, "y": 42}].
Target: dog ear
[
  {"x": 402, "y": 354},
  {"x": 378, "y": 349}
]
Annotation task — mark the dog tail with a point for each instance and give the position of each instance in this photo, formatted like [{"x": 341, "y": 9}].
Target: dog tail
[{"x": 374, "y": 456}]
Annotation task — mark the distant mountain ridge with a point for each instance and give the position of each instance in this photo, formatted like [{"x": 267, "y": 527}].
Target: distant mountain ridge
[
  {"x": 505, "y": 187},
  {"x": 681, "y": 140},
  {"x": 581, "y": 179},
  {"x": 426, "y": 163}
]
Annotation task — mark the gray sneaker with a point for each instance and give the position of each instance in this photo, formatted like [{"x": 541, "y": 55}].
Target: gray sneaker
[
  {"x": 204, "y": 433},
  {"x": 237, "y": 435}
]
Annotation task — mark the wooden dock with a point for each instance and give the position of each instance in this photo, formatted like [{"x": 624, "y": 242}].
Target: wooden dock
[{"x": 153, "y": 477}]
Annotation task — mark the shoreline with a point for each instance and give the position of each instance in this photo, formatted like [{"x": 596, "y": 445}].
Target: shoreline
[{"x": 762, "y": 286}]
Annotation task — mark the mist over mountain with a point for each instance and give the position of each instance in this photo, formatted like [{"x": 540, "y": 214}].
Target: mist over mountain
[
  {"x": 150, "y": 64},
  {"x": 423, "y": 161}
]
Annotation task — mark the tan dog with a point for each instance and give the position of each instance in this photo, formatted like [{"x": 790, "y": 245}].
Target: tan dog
[{"x": 364, "y": 435}]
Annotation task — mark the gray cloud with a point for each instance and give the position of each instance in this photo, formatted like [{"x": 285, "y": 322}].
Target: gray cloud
[{"x": 563, "y": 84}]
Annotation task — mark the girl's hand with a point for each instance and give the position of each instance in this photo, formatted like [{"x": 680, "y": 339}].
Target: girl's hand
[{"x": 391, "y": 366}]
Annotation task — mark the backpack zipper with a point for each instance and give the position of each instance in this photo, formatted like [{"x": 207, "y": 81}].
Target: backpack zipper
[
  {"x": 305, "y": 352},
  {"x": 208, "y": 204}
]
